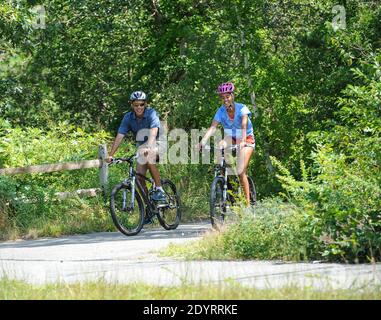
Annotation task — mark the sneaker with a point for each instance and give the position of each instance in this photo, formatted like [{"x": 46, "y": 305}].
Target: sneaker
[{"x": 158, "y": 195}]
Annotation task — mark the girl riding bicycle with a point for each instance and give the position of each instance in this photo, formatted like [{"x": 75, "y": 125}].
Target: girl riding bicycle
[{"x": 238, "y": 130}]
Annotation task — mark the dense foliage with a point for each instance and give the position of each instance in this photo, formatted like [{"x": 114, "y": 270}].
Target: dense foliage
[{"x": 309, "y": 71}]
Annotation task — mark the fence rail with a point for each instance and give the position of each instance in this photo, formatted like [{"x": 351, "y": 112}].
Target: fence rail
[
  {"x": 77, "y": 165},
  {"x": 45, "y": 168}
]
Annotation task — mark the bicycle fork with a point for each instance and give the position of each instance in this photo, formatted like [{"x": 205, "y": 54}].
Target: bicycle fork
[
  {"x": 225, "y": 191},
  {"x": 131, "y": 204}
]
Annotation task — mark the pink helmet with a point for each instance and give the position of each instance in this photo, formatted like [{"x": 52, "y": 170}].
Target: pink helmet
[{"x": 227, "y": 87}]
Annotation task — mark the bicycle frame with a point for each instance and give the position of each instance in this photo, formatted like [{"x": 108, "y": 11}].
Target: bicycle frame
[
  {"x": 221, "y": 200},
  {"x": 134, "y": 195},
  {"x": 131, "y": 180},
  {"x": 136, "y": 182},
  {"x": 221, "y": 170}
]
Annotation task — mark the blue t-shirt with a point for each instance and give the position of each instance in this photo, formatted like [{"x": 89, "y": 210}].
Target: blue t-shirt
[
  {"x": 140, "y": 127},
  {"x": 233, "y": 127}
]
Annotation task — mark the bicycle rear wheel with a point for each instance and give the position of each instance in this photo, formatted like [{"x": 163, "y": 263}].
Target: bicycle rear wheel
[
  {"x": 217, "y": 205},
  {"x": 169, "y": 213},
  {"x": 127, "y": 216},
  {"x": 253, "y": 192}
]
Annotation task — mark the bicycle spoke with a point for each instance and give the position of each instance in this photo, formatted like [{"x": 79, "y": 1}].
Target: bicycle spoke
[
  {"x": 217, "y": 203},
  {"x": 127, "y": 213},
  {"x": 169, "y": 213}
]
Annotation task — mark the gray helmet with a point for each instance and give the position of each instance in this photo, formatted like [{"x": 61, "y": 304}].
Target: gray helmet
[{"x": 138, "y": 95}]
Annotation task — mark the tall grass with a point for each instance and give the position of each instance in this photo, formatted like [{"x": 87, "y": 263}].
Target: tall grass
[
  {"x": 101, "y": 290},
  {"x": 274, "y": 230},
  {"x": 56, "y": 218}
]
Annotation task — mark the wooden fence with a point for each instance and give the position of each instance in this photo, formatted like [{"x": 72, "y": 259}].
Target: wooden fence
[{"x": 78, "y": 165}]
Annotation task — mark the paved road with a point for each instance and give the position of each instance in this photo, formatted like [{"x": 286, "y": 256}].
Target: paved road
[{"x": 117, "y": 258}]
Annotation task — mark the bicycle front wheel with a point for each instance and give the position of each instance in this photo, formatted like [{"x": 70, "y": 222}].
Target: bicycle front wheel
[
  {"x": 127, "y": 213},
  {"x": 217, "y": 203},
  {"x": 169, "y": 214}
]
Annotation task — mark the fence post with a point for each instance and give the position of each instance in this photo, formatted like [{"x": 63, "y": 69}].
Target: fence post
[{"x": 103, "y": 173}]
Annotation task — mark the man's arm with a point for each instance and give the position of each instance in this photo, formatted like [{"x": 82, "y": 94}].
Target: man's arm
[
  {"x": 152, "y": 136},
  {"x": 118, "y": 140}
]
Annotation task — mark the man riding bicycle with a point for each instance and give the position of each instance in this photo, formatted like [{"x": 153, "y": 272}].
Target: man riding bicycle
[
  {"x": 144, "y": 123},
  {"x": 238, "y": 129}
]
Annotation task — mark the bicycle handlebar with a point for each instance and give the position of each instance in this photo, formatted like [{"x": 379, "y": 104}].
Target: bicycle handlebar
[
  {"x": 232, "y": 147},
  {"x": 120, "y": 160}
]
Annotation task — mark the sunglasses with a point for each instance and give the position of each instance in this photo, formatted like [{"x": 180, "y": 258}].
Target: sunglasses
[
  {"x": 226, "y": 97},
  {"x": 139, "y": 105}
]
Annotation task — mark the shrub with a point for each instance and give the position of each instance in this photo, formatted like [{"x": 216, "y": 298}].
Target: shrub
[
  {"x": 341, "y": 192},
  {"x": 276, "y": 230},
  {"x": 21, "y": 147},
  {"x": 27, "y": 202},
  {"x": 343, "y": 205}
]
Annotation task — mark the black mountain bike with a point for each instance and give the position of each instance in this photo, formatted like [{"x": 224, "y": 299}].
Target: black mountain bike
[
  {"x": 130, "y": 205},
  {"x": 225, "y": 189}
]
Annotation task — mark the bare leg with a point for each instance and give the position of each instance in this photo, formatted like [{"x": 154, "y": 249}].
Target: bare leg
[
  {"x": 142, "y": 169},
  {"x": 155, "y": 174},
  {"x": 149, "y": 160},
  {"x": 243, "y": 163}
]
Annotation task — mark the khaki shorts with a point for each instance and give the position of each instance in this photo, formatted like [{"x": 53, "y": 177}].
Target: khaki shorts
[{"x": 158, "y": 149}]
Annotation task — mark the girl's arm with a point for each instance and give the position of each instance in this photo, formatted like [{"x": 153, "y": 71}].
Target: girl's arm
[
  {"x": 212, "y": 129},
  {"x": 244, "y": 128}
]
